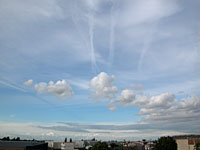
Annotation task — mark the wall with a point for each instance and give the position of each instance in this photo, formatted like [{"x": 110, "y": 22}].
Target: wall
[{"x": 183, "y": 144}]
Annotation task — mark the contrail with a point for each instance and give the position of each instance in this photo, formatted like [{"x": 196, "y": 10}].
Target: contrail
[
  {"x": 91, "y": 11},
  {"x": 91, "y": 36},
  {"x": 147, "y": 43},
  {"x": 144, "y": 50},
  {"x": 13, "y": 85},
  {"x": 112, "y": 36},
  {"x": 89, "y": 43},
  {"x": 74, "y": 17}
]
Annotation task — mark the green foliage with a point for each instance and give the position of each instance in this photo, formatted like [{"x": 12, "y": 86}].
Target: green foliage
[
  {"x": 197, "y": 146},
  {"x": 18, "y": 139},
  {"x": 166, "y": 143},
  {"x": 113, "y": 146},
  {"x": 130, "y": 148},
  {"x": 100, "y": 146},
  {"x": 6, "y": 138}
]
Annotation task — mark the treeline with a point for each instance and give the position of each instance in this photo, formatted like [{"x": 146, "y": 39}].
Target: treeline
[
  {"x": 13, "y": 139},
  {"x": 113, "y": 146}
]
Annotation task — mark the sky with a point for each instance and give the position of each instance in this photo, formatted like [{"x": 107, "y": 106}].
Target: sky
[{"x": 109, "y": 69}]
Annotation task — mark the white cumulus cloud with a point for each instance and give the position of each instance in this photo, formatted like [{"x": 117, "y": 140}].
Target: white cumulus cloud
[
  {"x": 155, "y": 104},
  {"x": 112, "y": 108},
  {"x": 102, "y": 86},
  {"x": 28, "y": 82},
  {"x": 61, "y": 88},
  {"x": 164, "y": 100},
  {"x": 166, "y": 109},
  {"x": 127, "y": 96},
  {"x": 41, "y": 87},
  {"x": 50, "y": 134}
]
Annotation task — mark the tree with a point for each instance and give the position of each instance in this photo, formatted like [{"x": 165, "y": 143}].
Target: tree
[
  {"x": 6, "y": 139},
  {"x": 197, "y": 146},
  {"x": 18, "y": 139},
  {"x": 166, "y": 143},
  {"x": 113, "y": 145},
  {"x": 70, "y": 140},
  {"x": 100, "y": 146}
]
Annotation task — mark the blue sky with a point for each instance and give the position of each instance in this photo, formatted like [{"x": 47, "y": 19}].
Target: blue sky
[{"x": 91, "y": 68}]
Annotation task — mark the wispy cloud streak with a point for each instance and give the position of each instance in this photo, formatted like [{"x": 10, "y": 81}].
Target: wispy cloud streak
[
  {"x": 147, "y": 43},
  {"x": 11, "y": 85},
  {"x": 75, "y": 16},
  {"x": 112, "y": 35},
  {"x": 91, "y": 36}
]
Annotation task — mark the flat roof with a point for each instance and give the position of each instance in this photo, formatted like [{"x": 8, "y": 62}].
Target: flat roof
[
  {"x": 190, "y": 136},
  {"x": 19, "y": 144}
]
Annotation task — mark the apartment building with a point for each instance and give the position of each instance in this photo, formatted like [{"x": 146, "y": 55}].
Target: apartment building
[{"x": 187, "y": 142}]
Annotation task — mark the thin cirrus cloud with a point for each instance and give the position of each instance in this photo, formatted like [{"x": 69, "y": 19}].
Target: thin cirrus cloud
[
  {"x": 142, "y": 11},
  {"x": 60, "y": 88},
  {"x": 138, "y": 87}
]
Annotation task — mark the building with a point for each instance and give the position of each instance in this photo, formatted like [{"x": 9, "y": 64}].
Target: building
[
  {"x": 67, "y": 146},
  {"x": 50, "y": 144},
  {"x": 147, "y": 145},
  {"x": 23, "y": 145},
  {"x": 79, "y": 144},
  {"x": 57, "y": 145},
  {"x": 187, "y": 142},
  {"x": 90, "y": 142},
  {"x": 76, "y": 145}
]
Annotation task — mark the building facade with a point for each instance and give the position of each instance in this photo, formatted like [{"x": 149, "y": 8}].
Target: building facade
[
  {"x": 23, "y": 145},
  {"x": 187, "y": 142}
]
